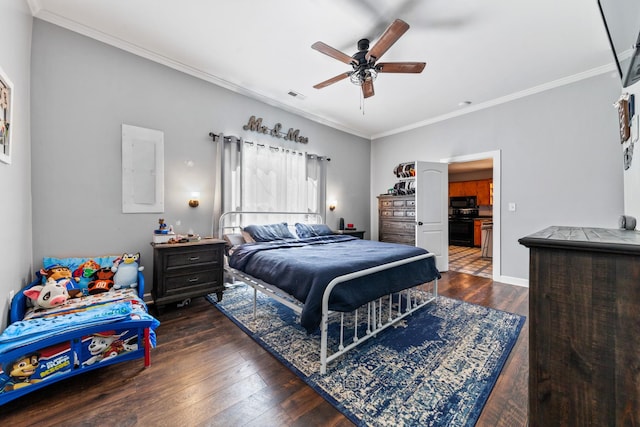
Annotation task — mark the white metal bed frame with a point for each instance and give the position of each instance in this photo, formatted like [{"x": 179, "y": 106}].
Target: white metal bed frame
[{"x": 376, "y": 320}]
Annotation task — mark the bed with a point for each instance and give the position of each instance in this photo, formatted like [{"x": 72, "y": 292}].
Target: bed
[
  {"x": 42, "y": 346},
  {"x": 322, "y": 275}
]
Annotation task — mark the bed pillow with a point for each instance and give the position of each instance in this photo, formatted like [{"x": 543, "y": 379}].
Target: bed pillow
[
  {"x": 312, "y": 230},
  {"x": 232, "y": 241},
  {"x": 269, "y": 232}
]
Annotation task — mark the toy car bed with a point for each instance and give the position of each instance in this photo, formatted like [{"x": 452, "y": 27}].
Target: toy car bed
[{"x": 43, "y": 346}]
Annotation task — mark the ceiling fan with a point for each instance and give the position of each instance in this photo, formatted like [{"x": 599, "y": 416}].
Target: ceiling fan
[{"x": 365, "y": 70}]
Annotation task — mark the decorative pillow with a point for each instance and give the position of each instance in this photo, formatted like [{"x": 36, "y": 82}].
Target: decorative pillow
[
  {"x": 312, "y": 230},
  {"x": 74, "y": 263},
  {"x": 269, "y": 232}
]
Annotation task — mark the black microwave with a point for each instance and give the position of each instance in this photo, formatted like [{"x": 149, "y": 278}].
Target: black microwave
[{"x": 462, "y": 202}]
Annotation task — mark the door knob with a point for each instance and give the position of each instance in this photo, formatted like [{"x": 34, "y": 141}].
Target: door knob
[{"x": 419, "y": 222}]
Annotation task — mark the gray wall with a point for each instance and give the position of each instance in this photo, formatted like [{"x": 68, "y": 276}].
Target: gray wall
[
  {"x": 15, "y": 179},
  {"x": 561, "y": 160},
  {"x": 83, "y": 90}
]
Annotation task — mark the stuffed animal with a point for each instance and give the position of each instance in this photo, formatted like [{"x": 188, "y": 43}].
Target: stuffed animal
[
  {"x": 53, "y": 293},
  {"x": 85, "y": 273},
  {"x": 126, "y": 271},
  {"x": 102, "y": 281},
  {"x": 60, "y": 273}
]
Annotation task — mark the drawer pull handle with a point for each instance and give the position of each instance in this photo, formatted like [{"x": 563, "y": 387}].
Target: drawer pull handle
[
  {"x": 195, "y": 279},
  {"x": 194, "y": 258}
]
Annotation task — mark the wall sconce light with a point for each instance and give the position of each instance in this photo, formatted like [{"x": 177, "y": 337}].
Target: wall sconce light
[
  {"x": 194, "y": 201},
  {"x": 332, "y": 206}
]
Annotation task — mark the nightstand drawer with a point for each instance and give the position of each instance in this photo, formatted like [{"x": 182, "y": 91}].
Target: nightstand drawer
[
  {"x": 187, "y": 258},
  {"x": 191, "y": 281}
]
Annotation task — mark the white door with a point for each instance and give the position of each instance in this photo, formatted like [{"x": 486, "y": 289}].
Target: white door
[{"x": 432, "y": 210}]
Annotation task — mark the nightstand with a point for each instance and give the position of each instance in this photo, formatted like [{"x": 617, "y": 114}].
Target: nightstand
[
  {"x": 355, "y": 233},
  {"x": 187, "y": 270}
]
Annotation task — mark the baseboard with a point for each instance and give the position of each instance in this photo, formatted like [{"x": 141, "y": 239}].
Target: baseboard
[{"x": 512, "y": 281}]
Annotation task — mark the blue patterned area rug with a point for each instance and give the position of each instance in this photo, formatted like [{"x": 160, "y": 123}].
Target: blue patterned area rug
[{"x": 437, "y": 368}]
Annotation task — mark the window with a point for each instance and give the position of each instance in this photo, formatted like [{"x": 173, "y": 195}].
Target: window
[{"x": 262, "y": 178}]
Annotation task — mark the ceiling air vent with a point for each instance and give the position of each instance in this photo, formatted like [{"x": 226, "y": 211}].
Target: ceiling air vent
[{"x": 296, "y": 94}]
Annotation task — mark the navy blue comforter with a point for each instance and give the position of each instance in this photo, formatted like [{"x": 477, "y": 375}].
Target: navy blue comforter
[{"x": 303, "y": 268}]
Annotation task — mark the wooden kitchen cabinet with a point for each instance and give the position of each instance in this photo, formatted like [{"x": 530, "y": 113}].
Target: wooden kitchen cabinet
[
  {"x": 470, "y": 188},
  {"x": 455, "y": 189},
  {"x": 484, "y": 192},
  {"x": 481, "y": 188},
  {"x": 477, "y": 232}
]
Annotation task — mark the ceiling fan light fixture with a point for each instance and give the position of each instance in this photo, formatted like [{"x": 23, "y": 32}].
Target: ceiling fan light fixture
[{"x": 359, "y": 77}]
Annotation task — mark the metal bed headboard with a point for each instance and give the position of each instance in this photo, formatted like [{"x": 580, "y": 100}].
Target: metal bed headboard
[{"x": 222, "y": 222}]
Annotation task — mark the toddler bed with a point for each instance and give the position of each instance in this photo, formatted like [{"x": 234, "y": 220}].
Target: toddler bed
[{"x": 94, "y": 329}]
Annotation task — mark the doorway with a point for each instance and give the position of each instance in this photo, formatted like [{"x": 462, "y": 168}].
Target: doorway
[{"x": 483, "y": 258}]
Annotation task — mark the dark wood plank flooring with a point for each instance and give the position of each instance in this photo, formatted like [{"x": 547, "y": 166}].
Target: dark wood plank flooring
[{"x": 207, "y": 372}]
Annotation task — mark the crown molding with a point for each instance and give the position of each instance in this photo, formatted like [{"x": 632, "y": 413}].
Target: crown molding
[
  {"x": 502, "y": 100},
  {"x": 90, "y": 32},
  {"x": 40, "y": 13}
]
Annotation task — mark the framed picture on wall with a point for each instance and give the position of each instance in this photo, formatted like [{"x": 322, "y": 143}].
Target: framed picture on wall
[{"x": 6, "y": 108}]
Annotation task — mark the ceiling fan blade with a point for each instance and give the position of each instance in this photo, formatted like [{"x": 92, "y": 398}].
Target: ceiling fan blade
[
  {"x": 388, "y": 38},
  {"x": 332, "y": 80},
  {"x": 367, "y": 88},
  {"x": 332, "y": 52},
  {"x": 400, "y": 67}
]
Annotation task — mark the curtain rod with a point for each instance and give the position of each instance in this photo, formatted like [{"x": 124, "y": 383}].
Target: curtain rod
[{"x": 216, "y": 136}]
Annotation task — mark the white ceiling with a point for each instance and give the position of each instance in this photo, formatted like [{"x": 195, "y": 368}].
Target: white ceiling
[{"x": 481, "y": 51}]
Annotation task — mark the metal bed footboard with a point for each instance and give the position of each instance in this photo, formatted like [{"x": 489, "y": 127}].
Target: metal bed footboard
[
  {"x": 376, "y": 322},
  {"x": 372, "y": 314}
]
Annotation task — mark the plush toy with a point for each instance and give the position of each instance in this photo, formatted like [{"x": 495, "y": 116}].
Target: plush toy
[
  {"x": 60, "y": 273},
  {"x": 85, "y": 273},
  {"x": 126, "y": 271},
  {"x": 102, "y": 281},
  {"x": 53, "y": 293}
]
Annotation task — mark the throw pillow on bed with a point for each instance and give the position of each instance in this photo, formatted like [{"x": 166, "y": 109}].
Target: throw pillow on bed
[
  {"x": 312, "y": 230},
  {"x": 269, "y": 232}
]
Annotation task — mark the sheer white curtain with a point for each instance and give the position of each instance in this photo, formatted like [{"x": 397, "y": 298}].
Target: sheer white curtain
[{"x": 261, "y": 178}]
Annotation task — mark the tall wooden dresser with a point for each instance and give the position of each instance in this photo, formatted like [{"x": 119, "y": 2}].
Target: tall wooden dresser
[
  {"x": 397, "y": 219},
  {"x": 584, "y": 318}
]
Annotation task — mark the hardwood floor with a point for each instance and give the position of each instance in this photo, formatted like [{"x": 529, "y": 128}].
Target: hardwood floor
[{"x": 207, "y": 372}]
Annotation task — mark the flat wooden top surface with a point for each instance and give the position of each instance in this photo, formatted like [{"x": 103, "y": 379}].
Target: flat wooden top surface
[
  {"x": 195, "y": 243},
  {"x": 586, "y": 238}
]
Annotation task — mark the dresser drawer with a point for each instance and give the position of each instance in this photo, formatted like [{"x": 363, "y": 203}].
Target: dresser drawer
[
  {"x": 398, "y": 238},
  {"x": 397, "y": 213},
  {"x": 398, "y": 226}
]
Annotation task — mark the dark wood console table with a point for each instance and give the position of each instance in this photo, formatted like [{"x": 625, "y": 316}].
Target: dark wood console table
[{"x": 584, "y": 318}]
